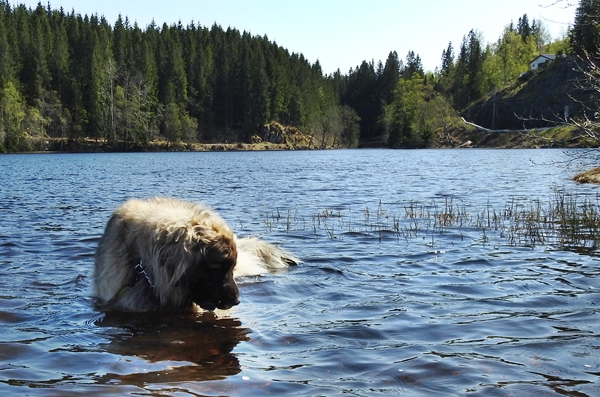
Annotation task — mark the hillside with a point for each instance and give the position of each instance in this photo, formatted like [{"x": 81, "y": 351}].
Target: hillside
[{"x": 536, "y": 100}]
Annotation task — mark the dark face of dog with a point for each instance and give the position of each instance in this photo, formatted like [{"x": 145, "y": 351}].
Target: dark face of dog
[{"x": 212, "y": 286}]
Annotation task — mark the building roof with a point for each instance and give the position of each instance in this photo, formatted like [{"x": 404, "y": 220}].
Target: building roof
[{"x": 549, "y": 57}]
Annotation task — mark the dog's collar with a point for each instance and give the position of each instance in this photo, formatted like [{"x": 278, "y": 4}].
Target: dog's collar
[{"x": 141, "y": 273}]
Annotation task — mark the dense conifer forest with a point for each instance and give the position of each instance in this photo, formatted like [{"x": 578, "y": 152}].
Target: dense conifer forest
[{"x": 76, "y": 77}]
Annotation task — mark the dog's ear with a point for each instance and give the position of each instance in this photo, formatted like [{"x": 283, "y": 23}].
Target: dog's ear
[
  {"x": 172, "y": 250},
  {"x": 188, "y": 275},
  {"x": 221, "y": 251},
  {"x": 224, "y": 251}
]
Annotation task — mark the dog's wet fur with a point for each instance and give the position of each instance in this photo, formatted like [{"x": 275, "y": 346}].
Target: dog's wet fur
[{"x": 165, "y": 254}]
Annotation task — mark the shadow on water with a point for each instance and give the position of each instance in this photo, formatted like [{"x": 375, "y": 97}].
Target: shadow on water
[{"x": 185, "y": 346}]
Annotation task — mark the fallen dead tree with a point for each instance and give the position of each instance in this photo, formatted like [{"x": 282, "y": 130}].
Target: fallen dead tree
[{"x": 480, "y": 128}]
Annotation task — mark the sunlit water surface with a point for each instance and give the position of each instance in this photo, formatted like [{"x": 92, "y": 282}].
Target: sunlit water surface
[{"x": 369, "y": 312}]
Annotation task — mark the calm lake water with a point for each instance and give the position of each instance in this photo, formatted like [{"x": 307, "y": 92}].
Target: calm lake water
[{"x": 377, "y": 307}]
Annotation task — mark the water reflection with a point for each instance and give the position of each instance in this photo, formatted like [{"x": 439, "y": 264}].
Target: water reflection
[{"x": 173, "y": 347}]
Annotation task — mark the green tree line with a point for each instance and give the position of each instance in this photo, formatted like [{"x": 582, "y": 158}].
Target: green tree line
[
  {"x": 401, "y": 105},
  {"x": 64, "y": 75}
]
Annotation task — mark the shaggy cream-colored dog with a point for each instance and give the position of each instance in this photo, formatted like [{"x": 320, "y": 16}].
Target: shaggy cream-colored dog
[{"x": 168, "y": 254}]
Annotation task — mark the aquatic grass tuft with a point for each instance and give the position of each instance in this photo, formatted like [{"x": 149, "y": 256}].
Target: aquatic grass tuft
[{"x": 563, "y": 221}]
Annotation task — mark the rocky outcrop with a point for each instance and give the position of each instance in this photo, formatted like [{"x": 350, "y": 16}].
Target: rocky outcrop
[{"x": 280, "y": 134}]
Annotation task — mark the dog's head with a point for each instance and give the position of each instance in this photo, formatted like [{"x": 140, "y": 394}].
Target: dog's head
[{"x": 212, "y": 285}]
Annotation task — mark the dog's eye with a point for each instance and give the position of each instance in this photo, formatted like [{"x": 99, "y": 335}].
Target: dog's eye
[
  {"x": 221, "y": 268},
  {"x": 215, "y": 270}
]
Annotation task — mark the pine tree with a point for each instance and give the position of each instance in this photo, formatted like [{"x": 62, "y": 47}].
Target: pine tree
[
  {"x": 59, "y": 57},
  {"x": 523, "y": 27},
  {"x": 172, "y": 79},
  {"x": 585, "y": 34},
  {"x": 119, "y": 45},
  {"x": 255, "y": 79},
  {"x": 6, "y": 59},
  {"x": 146, "y": 61},
  {"x": 99, "y": 92},
  {"x": 413, "y": 65},
  {"x": 447, "y": 74},
  {"x": 279, "y": 87},
  {"x": 364, "y": 99},
  {"x": 389, "y": 77},
  {"x": 468, "y": 83},
  {"x": 447, "y": 60}
]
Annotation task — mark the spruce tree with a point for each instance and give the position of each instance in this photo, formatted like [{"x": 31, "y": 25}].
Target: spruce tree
[
  {"x": 446, "y": 74},
  {"x": 413, "y": 65},
  {"x": 388, "y": 79},
  {"x": 468, "y": 83},
  {"x": 363, "y": 97},
  {"x": 585, "y": 34},
  {"x": 6, "y": 59},
  {"x": 523, "y": 27},
  {"x": 447, "y": 60},
  {"x": 59, "y": 57}
]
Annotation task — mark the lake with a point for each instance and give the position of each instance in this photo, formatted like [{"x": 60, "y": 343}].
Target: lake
[{"x": 389, "y": 300}]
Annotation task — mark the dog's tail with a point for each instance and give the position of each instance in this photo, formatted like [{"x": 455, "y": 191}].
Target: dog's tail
[{"x": 257, "y": 257}]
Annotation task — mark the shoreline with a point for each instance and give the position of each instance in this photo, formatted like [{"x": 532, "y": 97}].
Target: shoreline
[
  {"x": 86, "y": 145},
  {"x": 465, "y": 138}
]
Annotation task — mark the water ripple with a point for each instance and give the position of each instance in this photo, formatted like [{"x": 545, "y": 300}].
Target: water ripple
[{"x": 377, "y": 307}]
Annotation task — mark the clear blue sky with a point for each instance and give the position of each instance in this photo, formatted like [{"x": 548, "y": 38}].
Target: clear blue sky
[{"x": 340, "y": 33}]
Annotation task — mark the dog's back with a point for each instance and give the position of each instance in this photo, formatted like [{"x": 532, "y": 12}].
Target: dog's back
[{"x": 256, "y": 257}]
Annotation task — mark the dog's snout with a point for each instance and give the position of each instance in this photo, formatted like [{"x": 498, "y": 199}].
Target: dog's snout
[
  {"x": 208, "y": 306},
  {"x": 223, "y": 305},
  {"x": 231, "y": 299},
  {"x": 228, "y": 305}
]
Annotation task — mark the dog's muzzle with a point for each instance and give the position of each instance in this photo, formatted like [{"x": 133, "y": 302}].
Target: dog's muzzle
[{"x": 210, "y": 306}]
